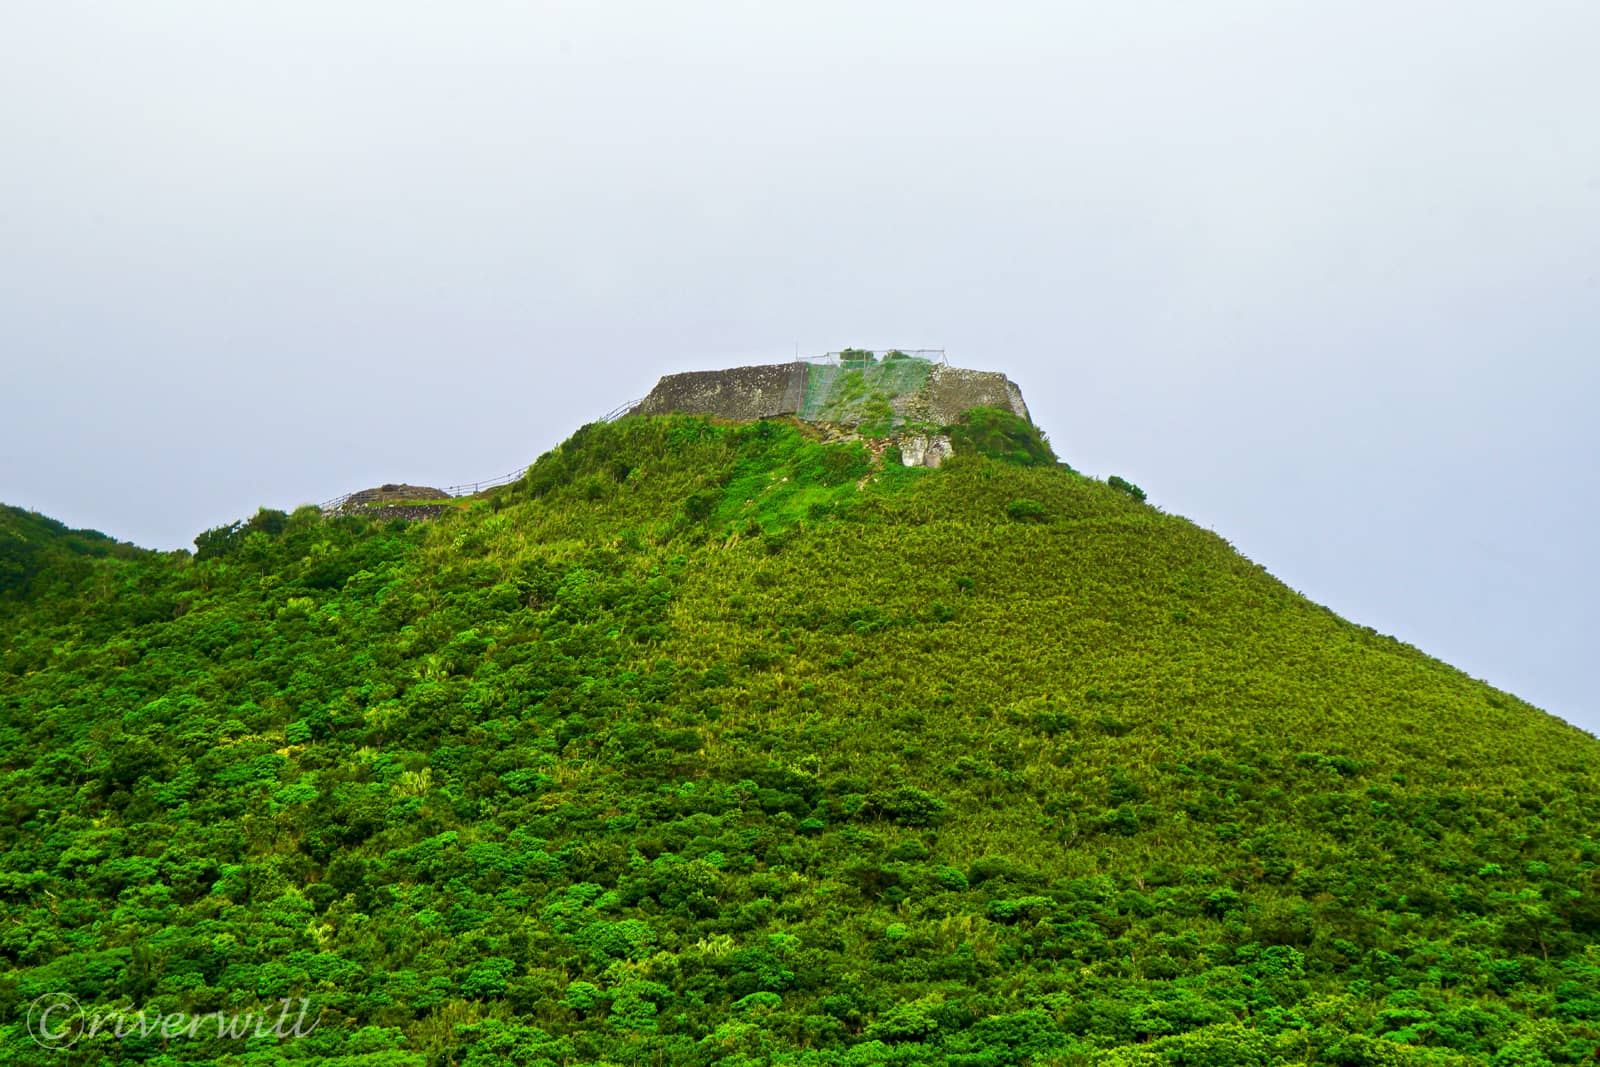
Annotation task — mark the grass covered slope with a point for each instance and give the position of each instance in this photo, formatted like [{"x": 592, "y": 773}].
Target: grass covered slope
[{"x": 714, "y": 744}]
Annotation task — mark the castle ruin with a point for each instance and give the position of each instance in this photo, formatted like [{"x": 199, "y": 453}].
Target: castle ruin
[{"x": 907, "y": 396}]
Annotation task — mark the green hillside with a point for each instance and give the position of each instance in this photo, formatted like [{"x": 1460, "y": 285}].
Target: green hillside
[
  {"x": 713, "y": 744},
  {"x": 39, "y": 555}
]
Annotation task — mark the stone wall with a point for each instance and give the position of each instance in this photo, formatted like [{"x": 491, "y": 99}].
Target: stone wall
[
  {"x": 745, "y": 393},
  {"x": 409, "y": 512},
  {"x": 383, "y": 495},
  {"x": 740, "y": 393},
  {"x": 953, "y": 390}
]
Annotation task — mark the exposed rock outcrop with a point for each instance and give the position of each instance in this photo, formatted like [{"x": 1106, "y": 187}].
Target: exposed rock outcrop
[{"x": 924, "y": 450}]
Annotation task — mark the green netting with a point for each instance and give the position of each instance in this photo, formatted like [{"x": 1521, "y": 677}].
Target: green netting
[{"x": 854, "y": 392}]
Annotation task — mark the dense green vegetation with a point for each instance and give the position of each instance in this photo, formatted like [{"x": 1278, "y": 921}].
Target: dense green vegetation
[
  {"x": 38, "y": 554},
  {"x": 711, "y": 743},
  {"x": 1003, "y": 435}
]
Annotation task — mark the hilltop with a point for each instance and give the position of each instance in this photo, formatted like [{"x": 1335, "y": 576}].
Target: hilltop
[
  {"x": 854, "y": 387},
  {"x": 910, "y": 400},
  {"x": 715, "y": 742}
]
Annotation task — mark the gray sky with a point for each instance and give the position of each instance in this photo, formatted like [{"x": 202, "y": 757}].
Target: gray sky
[{"x": 1325, "y": 278}]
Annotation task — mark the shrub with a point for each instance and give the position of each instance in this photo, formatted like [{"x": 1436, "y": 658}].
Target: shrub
[
  {"x": 584, "y": 997},
  {"x": 907, "y": 806},
  {"x": 218, "y": 541},
  {"x": 989, "y": 867},
  {"x": 699, "y": 506},
  {"x": 269, "y": 521},
  {"x": 843, "y": 463},
  {"x": 759, "y": 1001},
  {"x": 905, "y": 1022},
  {"x": 486, "y": 979},
  {"x": 1024, "y": 510},
  {"x": 1119, "y": 482},
  {"x": 1014, "y": 911},
  {"x": 1000, "y": 435}
]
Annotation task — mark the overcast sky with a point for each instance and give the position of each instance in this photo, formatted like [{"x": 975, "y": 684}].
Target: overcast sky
[{"x": 1323, "y": 277}]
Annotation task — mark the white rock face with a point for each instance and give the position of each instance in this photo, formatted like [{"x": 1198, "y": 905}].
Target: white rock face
[{"x": 925, "y": 451}]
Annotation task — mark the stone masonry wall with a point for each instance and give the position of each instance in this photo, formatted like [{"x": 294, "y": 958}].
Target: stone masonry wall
[
  {"x": 740, "y": 393},
  {"x": 744, "y": 393},
  {"x": 953, "y": 390}
]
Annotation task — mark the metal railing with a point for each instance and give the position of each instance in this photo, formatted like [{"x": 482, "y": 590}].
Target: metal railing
[
  {"x": 617, "y": 413},
  {"x": 464, "y": 489},
  {"x": 851, "y": 355}
]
